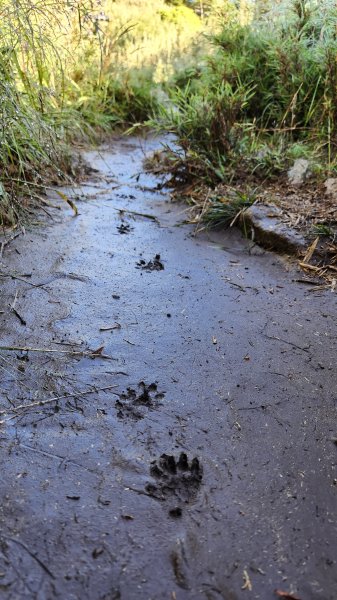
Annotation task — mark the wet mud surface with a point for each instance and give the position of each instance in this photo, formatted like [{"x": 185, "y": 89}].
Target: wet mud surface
[{"x": 178, "y": 440}]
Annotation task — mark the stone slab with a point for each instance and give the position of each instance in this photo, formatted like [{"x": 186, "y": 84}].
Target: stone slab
[{"x": 264, "y": 224}]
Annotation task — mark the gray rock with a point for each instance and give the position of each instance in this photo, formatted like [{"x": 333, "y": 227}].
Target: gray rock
[
  {"x": 264, "y": 224},
  {"x": 331, "y": 187},
  {"x": 299, "y": 172}
]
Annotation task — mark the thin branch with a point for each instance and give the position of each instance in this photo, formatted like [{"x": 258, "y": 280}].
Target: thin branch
[
  {"x": 88, "y": 353},
  {"x": 55, "y": 399}
]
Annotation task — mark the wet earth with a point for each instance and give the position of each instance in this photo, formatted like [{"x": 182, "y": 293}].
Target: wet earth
[{"x": 168, "y": 406}]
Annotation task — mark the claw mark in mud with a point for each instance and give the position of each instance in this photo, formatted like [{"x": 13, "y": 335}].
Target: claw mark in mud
[
  {"x": 179, "y": 478},
  {"x": 152, "y": 265},
  {"x": 133, "y": 403},
  {"x": 124, "y": 228}
]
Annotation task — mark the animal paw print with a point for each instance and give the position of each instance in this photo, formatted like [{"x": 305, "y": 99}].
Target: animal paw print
[
  {"x": 175, "y": 477},
  {"x": 124, "y": 228},
  {"x": 133, "y": 402},
  {"x": 152, "y": 265}
]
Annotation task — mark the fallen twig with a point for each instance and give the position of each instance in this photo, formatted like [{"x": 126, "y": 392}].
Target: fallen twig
[
  {"x": 307, "y": 281},
  {"x": 15, "y": 312},
  {"x": 87, "y": 353},
  {"x": 6, "y": 242},
  {"x": 111, "y": 327},
  {"x": 55, "y": 399},
  {"x": 305, "y": 265},
  {"x": 274, "y": 337},
  {"x": 237, "y": 285},
  {"x": 21, "y": 319},
  {"x": 137, "y": 214},
  {"x": 33, "y": 555},
  {"x": 16, "y": 277},
  {"x": 128, "y": 342},
  {"x": 310, "y": 251}
]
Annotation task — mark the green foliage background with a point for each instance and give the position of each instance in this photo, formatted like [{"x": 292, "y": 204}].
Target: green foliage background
[
  {"x": 266, "y": 94},
  {"x": 72, "y": 68},
  {"x": 246, "y": 86}
]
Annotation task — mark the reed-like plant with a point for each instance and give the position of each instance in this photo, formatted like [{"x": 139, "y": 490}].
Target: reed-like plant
[
  {"x": 70, "y": 68},
  {"x": 269, "y": 85}
]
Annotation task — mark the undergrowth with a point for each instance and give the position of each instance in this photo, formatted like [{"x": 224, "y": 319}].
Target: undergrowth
[
  {"x": 225, "y": 209},
  {"x": 74, "y": 69},
  {"x": 246, "y": 88},
  {"x": 264, "y": 97}
]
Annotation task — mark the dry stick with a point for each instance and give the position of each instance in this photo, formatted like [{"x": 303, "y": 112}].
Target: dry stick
[
  {"x": 6, "y": 242},
  {"x": 138, "y": 214},
  {"x": 128, "y": 342},
  {"x": 307, "y": 281},
  {"x": 49, "y": 350},
  {"x": 55, "y": 399},
  {"x": 25, "y": 281},
  {"x": 115, "y": 326},
  {"x": 274, "y": 337},
  {"x": 33, "y": 555},
  {"x": 15, "y": 312},
  {"x": 21, "y": 319}
]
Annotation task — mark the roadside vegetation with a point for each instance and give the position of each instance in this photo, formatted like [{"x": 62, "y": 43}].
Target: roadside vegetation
[
  {"x": 265, "y": 96},
  {"x": 71, "y": 70},
  {"x": 246, "y": 87}
]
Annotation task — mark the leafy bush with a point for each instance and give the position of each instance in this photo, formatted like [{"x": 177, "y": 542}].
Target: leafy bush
[
  {"x": 270, "y": 84},
  {"x": 70, "y": 68}
]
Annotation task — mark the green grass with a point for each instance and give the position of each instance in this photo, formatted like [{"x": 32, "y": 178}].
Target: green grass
[
  {"x": 244, "y": 101},
  {"x": 322, "y": 230},
  {"x": 224, "y": 210},
  {"x": 71, "y": 70},
  {"x": 266, "y": 96}
]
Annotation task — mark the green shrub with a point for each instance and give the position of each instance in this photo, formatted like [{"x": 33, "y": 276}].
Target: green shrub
[
  {"x": 70, "y": 68},
  {"x": 269, "y": 85}
]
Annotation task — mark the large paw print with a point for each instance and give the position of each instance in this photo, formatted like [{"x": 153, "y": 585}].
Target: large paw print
[{"x": 175, "y": 477}]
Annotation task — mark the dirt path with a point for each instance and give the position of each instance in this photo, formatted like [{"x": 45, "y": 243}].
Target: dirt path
[{"x": 208, "y": 470}]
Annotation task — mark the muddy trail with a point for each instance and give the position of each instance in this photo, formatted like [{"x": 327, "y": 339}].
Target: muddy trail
[{"x": 179, "y": 441}]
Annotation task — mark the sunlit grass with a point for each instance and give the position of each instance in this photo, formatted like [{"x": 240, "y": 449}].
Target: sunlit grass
[
  {"x": 266, "y": 96},
  {"x": 72, "y": 68}
]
